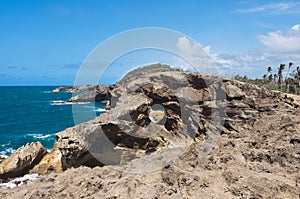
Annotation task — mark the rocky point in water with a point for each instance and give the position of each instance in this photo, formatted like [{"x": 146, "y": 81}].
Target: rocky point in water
[{"x": 173, "y": 134}]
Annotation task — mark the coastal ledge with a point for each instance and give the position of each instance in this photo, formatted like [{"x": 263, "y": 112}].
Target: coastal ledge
[
  {"x": 75, "y": 89},
  {"x": 255, "y": 152}
]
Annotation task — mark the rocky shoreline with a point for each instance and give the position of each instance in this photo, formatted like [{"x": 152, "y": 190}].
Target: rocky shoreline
[
  {"x": 178, "y": 134},
  {"x": 91, "y": 93}
]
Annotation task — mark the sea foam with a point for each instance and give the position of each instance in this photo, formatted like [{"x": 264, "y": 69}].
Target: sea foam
[
  {"x": 61, "y": 102},
  {"x": 19, "y": 181},
  {"x": 4, "y": 153},
  {"x": 39, "y": 136}
]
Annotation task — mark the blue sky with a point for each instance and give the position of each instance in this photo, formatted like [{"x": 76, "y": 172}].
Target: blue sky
[{"x": 44, "y": 42}]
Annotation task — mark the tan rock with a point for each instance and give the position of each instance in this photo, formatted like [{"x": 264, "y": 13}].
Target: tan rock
[
  {"x": 156, "y": 116},
  {"x": 256, "y": 154},
  {"x": 24, "y": 159},
  {"x": 51, "y": 162},
  {"x": 233, "y": 91}
]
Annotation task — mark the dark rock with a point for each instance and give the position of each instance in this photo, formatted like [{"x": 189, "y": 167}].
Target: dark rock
[{"x": 295, "y": 141}]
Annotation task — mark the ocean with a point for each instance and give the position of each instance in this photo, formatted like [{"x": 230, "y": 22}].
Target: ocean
[{"x": 27, "y": 115}]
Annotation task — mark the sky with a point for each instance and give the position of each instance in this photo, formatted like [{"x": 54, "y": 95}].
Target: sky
[{"x": 46, "y": 42}]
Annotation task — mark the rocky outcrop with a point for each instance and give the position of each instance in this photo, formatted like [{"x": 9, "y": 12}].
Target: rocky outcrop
[
  {"x": 101, "y": 93},
  {"x": 74, "y": 89},
  {"x": 180, "y": 135},
  {"x": 63, "y": 88},
  {"x": 92, "y": 93},
  {"x": 24, "y": 159},
  {"x": 194, "y": 108},
  {"x": 50, "y": 163}
]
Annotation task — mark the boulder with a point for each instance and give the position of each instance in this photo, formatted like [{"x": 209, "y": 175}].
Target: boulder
[
  {"x": 24, "y": 159},
  {"x": 72, "y": 146},
  {"x": 51, "y": 162},
  {"x": 233, "y": 92}
]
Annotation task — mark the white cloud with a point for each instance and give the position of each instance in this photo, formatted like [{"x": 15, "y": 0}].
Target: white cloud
[
  {"x": 296, "y": 27},
  {"x": 279, "y": 41},
  {"x": 282, "y": 47},
  {"x": 280, "y": 7},
  {"x": 253, "y": 63},
  {"x": 199, "y": 57}
]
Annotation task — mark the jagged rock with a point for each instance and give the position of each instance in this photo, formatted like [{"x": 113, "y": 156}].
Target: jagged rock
[
  {"x": 99, "y": 94},
  {"x": 233, "y": 92},
  {"x": 192, "y": 106},
  {"x": 255, "y": 153},
  {"x": 72, "y": 146},
  {"x": 63, "y": 88},
  {"x": 51, "y": 162},
  {"x": 24, "y": 159}
]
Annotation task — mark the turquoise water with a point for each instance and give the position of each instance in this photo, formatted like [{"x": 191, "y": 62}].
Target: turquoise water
[{"x": 26, "y": 115}]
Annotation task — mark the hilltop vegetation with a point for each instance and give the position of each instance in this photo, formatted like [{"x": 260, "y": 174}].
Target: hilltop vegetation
[
  {"x": 285, "y": 79},
  {"x": 144, "y": 69}
]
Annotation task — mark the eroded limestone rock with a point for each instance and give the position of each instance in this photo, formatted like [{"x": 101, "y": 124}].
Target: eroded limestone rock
[{"x": 24, "y": 159}]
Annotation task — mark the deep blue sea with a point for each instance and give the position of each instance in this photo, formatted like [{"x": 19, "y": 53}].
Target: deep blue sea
[{"x": 27, "y": 115}]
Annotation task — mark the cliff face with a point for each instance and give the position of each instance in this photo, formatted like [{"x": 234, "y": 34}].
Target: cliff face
[{"x": 180, "y": 135}]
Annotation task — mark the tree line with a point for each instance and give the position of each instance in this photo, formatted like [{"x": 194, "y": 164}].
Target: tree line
[{"x": 286, "y": 78}]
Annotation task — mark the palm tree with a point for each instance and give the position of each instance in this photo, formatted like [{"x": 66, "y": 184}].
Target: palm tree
[
  {"x": 275, "y": 77},
  {"x": 270, "y": 78},
  {"x": 264, "y": 78},
  {"x": 280, "y": 70},
  {"x": 287, "y": 81},
  {"x": 297, "y": 77},
  {"x": 269, "y": 69}
]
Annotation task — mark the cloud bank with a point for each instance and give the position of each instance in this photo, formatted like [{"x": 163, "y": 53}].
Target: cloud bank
[
  {"x": 284, "y": 42},
  {"x": 280, "y": 47}
]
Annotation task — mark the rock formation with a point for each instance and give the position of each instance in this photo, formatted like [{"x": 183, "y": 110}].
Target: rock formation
[
  {"x": 192, "y": 113},
  {"x": 75, "y": 89},
  {"x": 180, "y": 135},
  {"x": 51, "y": 162},
  {"x": 24, "y": 159}
]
